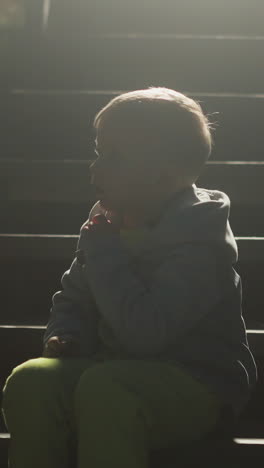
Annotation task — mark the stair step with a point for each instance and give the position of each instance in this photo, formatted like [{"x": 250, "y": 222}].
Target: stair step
[
  {"x": 156, "y": 16},
  {"x": 70, "y": 181},
  {"x": 25, "y": 342},
  {"x": 59, "y": 246},
  {"x": 49, "y": 256},
  {"x": 249, "y": 450},
  {"x": 66, "y": 205},
  {"x": 22, "y": 216},
  {"x": 67, "y": 119},
  {"x": 246, "y": 427},
  {"x": 135, "y": 60},
  {"x": 4, "y": 444}
]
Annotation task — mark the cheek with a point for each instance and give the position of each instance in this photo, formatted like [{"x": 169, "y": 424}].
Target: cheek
[
  {"x": 131, "y": 183},
  {"x": 127, "y": 179}
]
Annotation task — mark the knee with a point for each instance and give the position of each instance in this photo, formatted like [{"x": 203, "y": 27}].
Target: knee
[
  {"x": 25, "y": 380},
  {"x": 100, "y": 389},
  {"x": 94, "y": 380}
]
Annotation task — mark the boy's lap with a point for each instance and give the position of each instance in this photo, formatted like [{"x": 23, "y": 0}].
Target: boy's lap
[{"x": 179, "y": 405}]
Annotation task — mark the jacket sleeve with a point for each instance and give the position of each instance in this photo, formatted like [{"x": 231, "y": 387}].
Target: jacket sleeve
[{"x": 73, "y": 309}]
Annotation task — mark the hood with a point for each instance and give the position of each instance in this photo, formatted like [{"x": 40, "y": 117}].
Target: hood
[
  {"x": 194, "y": 215},
  {"x": 198, "y": 215}
]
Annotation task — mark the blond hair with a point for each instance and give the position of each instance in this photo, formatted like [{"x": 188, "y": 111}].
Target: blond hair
[{"x": 176, "y": 128}]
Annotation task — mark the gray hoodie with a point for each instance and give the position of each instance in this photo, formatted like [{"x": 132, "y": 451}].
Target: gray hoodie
[{"x": 166, "y": 292}]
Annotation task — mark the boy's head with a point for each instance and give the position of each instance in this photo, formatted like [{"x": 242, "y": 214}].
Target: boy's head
[{"x": 150, "y": 144}]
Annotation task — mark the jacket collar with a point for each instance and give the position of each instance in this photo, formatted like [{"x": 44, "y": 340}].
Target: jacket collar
[{"x": 177, "y": 202}]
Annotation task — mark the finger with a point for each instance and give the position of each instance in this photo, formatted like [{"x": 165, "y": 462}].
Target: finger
[
  {"x": 98, "y": 227},
  {"x": 55, "y": 346},
  {"x": 99, "y": 219},
  {"x": 68, "y": 339}
]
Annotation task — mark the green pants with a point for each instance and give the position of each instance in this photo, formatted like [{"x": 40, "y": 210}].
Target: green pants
[{"x": 96, "y": 411}]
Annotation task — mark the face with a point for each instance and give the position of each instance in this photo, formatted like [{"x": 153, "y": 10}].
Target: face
[{"x": 128, "y": 178}]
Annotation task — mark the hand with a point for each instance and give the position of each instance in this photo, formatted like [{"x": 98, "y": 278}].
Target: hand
[
  {"x": 101, "y": 224},
  {"x": 115, "y": 218},
  {"x": 61, "y": 346}
]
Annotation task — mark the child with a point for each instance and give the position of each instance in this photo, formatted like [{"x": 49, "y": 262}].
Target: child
[{"x": 146, "y": 343}]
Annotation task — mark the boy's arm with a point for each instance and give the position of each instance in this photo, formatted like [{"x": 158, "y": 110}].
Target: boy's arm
[
  {"x": 149, "y": 316},
  {"x": 73, "y": 310}
]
